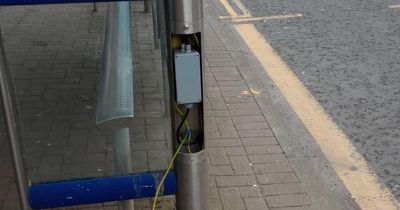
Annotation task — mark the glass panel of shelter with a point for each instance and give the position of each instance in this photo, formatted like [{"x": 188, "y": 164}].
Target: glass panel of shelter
[{"x": 55, "y": 54}]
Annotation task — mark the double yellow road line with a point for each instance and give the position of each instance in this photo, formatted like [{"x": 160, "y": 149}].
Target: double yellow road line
[{"x": 347, "y": 162}]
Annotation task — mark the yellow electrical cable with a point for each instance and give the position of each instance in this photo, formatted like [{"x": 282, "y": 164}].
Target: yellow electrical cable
[
  {"x": 166, "y": 173},
  {"x": 181, "y": 114},
  {"x": 190, "y": 137},
  {"x": 197, "y": 40}
]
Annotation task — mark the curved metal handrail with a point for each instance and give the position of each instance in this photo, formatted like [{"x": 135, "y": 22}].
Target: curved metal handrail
[{"x": 115, "y": 107}]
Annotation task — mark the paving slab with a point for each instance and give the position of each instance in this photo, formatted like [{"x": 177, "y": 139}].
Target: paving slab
[{"x": 56, "y": 66}]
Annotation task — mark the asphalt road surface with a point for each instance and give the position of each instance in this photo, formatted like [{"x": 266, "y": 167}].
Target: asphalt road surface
[{"x": 347, "y": 53}]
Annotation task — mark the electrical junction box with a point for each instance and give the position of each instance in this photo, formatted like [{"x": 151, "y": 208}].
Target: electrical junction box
[{"x": 187, "y": 76}]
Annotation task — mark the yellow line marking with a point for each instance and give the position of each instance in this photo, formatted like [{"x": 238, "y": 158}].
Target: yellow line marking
[
  {"x": 228, "y": 8},
  {"x": 344, "y": 158},
  {"x": 241, "y": 19},
  {"x": 349, "y": 165},
  {"x": 242, "y": 8},
  {"x": 232, "y": 17},
  {"x": 397, "y": 6}
]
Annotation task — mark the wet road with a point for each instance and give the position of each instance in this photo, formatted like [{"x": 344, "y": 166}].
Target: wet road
[{"x": 347, "y": 53}]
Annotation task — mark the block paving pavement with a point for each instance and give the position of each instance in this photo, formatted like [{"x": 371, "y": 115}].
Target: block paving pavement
[{"x": 55, "y": 53}]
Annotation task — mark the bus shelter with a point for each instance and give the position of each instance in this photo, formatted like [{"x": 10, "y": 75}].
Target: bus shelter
[{"x": 103, "y": 102}]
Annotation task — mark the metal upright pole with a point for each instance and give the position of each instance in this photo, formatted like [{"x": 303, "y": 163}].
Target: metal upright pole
[
  {"x": 94, "y": 8},
  {"x": 9, "y": 104},
  {"x": 164, "y": 51},
  {"x": 146, "y": 6},
  {"x": 122, "y": 151},
  {"x": 184, "y": 27},
  {"x": 123, "y": 162},
  {"x": 115, "y": 99},
  {"x": 155, "y": 14},
  {"x": 160, "y": 16}
]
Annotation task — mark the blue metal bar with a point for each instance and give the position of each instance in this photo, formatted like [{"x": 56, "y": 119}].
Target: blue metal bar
[
  {"x": 32, "y": 2},
  {"x": 98, "y": 190}
]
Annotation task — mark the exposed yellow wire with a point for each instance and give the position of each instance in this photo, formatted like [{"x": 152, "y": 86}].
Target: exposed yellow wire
[
  {"x": 196, "y": 40},
  {"x": 180, "y": 112},
  {"x": 166, "y": 173},
  {"x": 190, "y": 137}
]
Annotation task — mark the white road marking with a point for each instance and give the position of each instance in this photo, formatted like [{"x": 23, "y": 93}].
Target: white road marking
[
  {"x": 241, "y": 19},
  {"x": 396, "y": 6}
]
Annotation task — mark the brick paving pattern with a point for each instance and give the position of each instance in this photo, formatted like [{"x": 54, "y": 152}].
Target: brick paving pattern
[
  {"x": 54, "y": 52},
  {"x": 247, "y": 167}
]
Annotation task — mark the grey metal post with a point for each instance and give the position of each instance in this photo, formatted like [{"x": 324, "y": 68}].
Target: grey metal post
[
  {"x": 122, "y": 152},
  {"x": 9, "y": 103},
  {"x": 184, "y": 24},
  {"x": 146, "y": 6},
  {"x": 164, "y": 51},
  {"x": 160, "y": 16},
  {"x": 115, "y": 103},
  {"x": 94, "y": 8},
  {"x": 123, "y": 162},
  {"x": 155, "y": 15}
]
